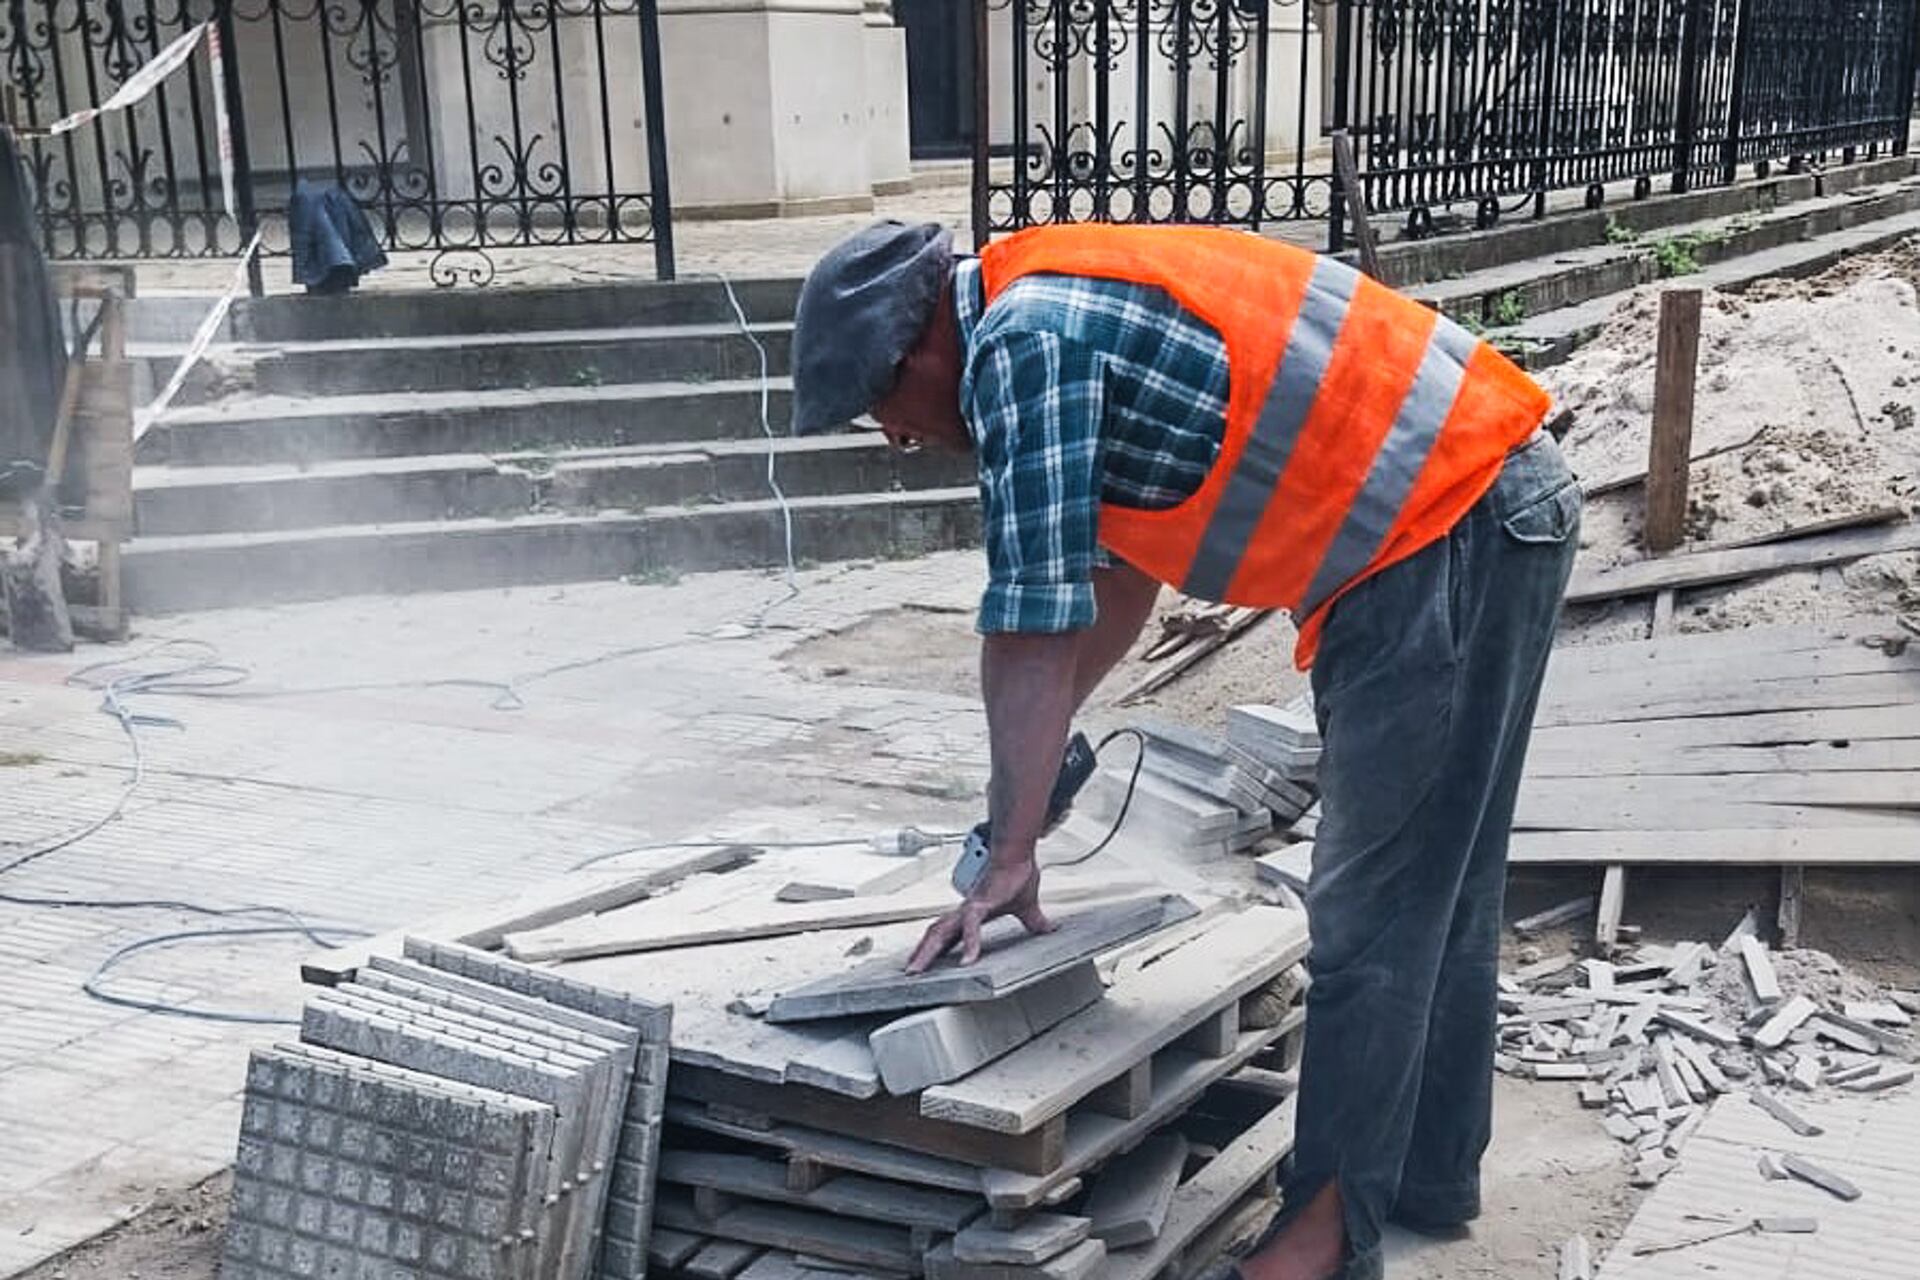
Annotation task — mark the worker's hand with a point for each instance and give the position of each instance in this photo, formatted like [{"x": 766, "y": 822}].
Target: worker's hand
[{"x": 1005, "y": 890}]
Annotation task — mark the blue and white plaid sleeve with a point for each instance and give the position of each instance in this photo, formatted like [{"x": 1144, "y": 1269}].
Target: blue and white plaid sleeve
[{"x": 1036, "y": 408}]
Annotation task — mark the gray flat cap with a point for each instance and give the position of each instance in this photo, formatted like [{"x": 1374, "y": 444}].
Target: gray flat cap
[{"x": 862, "y": 307}]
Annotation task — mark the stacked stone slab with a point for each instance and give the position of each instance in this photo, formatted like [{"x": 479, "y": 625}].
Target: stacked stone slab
[
  {"x": 1284, "y": 739},
  {"x": 453, "y": 1114}
]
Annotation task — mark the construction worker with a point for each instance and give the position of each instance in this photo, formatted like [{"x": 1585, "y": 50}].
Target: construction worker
[{"x": 1251, "y": 423}]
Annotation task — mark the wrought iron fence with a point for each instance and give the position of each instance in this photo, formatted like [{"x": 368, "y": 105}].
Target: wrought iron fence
[
  {"x": 460, "y": 126},
  {"x": 1218, "y": 110}
]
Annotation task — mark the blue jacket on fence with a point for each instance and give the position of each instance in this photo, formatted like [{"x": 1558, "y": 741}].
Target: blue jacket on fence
[{"x": 333, "y": 243}]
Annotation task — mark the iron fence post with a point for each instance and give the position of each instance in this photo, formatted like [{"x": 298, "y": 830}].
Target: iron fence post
[
  {"x": 1687, "y": 126},
  {"x": 1342, "y": 88},
  {"x": 982, "y": 113},
  {"x": 1737, "y": 98},
  {"x": 659, "y": 189},
  {"x": 1549, "y": 86},
  {"x": 244, "y": 212},
  {"x": 1909, "y": 73}
]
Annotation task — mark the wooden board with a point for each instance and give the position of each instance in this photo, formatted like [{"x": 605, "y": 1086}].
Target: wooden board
[
  {"x": 834, "y": 1150},
  {"x": 1719, "y": 669},
  {"x": 934, "y": 1046},
  {"x": 1031, "y": 1241},
  {"x": 1892, "y": 688},
  {"x": 1835, "y": 846},
  {"x": 1010, "y": 959},
  {"x": 663, "y": 925},
  {"x": 1676, "y": 362},
  {"x": 859, "y": 875},
  {"x": 1840, "y": 755},
  {"x": 852, "y": 1194},
  {"x": 1215, "y": 1190},
  {"x": 1707, "y": 801},
  {"x": 1706, "y": 568},
  {"x": 1776, "y": 728},
  {"x": 893, "y": 1121},
  {"x": 864, "y": 1244},
  {"x": 1142, "y": 1013},
  {"x": 1082, "y": 1262},
  {"x": 1684, "y": 647},
  {"x": 550, "y": 901}
]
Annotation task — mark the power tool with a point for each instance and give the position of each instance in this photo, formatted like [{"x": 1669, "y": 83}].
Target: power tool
[{"x": 1076, "y": 767}]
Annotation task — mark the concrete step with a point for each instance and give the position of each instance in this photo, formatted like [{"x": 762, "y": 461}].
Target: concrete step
[
  {"x": 1494, "y": 296},
  {"x": 172, "y": 501},
  {"x": 502, "y": 309},
  {"x": 208, "y": 571},
  {"x": 476, "y": 362},
  {"x": 283, "y": 428},
  {"x": 1541, "y": 341},
  {"x": 1405, "y": 263}
]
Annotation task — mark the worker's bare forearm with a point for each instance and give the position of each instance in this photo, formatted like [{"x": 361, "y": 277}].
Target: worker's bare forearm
[
  {"x": 1125, "y": 597},
  {"x": 1029, "y": 685}
]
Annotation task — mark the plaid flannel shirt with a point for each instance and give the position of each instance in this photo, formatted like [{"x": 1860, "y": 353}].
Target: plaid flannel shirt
[{"x": 1078, "y": 391}]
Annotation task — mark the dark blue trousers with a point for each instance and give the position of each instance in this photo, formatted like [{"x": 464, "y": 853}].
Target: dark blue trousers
[{"x": 1425, "y": 686}]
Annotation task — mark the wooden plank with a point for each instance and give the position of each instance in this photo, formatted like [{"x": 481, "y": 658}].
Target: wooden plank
[
  {"x": 1613, "y": 901},
  {"x": 1130, "y": 1198},
  {"x": 1355, "y": 196},
  {"x": 1593, "y": 488},
  {"x": 1143, "y": 1012},
  {"x": 721, "y": 1260},
  {"x": 1706, "y": 647},
  {"x": 1892, "y": 513},
  {"x": 893, "y": 1121},
  {"x": 1676, "y": 362},
  {"x": 1707, "y": 568},
  {"x": 858, "y": 875},
  {"x": 1028, "y": 1243},
  {"x": 663, "y": 925},
  {"x": 1895, "y": 688},
  {"x": 1658, "y": 676},
  {"x": 820, "y": 1149},
  {"x": 1082, "y": 1262},
  {"x": 1793, "y": 881},
  {"x": 1216, "y": 1189},
  {"x": 1883, "y": 790},
  {"x": 934, "y": 1046},
  {"x": 560, "y": 898},
  {"x": 864, "y": 1244},
  {"x": 855, "y": 1195},
  {"x": 1887, "y": 755},
  {"x": 1833, "y": 846},
  {"x": 1010, "y": 959}
]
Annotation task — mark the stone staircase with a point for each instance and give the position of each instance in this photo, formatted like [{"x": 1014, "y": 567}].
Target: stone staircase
[
  {"x": 397, "y": 442},
  {"x": 406, "y": 442}
]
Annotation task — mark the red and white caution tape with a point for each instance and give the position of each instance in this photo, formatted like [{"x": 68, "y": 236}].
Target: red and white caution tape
[
  {"x": 203, "y": 337},
  {"x": 136, "y": 86}
]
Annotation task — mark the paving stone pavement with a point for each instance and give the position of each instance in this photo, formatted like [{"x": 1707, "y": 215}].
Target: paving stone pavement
[{"x": 385, "y": 759}]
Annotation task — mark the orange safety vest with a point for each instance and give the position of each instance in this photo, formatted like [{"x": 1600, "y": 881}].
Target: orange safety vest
[{"x": 1361, "y": 425}]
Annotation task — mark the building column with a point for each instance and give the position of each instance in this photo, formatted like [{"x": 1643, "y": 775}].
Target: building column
[
  {"x": 888, "y": 146},
  {"x": 767, "y": 106}
]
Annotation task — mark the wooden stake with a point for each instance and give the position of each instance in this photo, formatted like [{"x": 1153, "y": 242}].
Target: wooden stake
[
  {"x": 1356, "y": 203},
  {"x": 1792, "y": 885},
  {"x": 1675, "y": 366}
]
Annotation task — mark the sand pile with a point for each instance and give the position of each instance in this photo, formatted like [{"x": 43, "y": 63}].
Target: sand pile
[{"x": 1807, "y": 396}]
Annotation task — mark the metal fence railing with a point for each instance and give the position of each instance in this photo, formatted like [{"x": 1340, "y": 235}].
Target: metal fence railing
[
  {"x": 459, "y": 127},
  {"x": 1217, "y": 110}
]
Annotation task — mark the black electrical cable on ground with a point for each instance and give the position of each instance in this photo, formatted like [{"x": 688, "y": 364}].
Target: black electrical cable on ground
[{"x": 195, "y": 669}]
